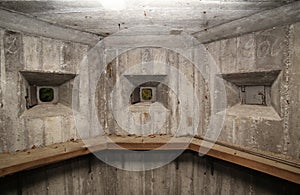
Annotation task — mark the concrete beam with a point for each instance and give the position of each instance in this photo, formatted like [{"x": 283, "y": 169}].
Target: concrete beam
[
  {"x": 46, "y": 78},
  {"x": 252, "y": 78},
  {"x": 283, "y": 15},
  {"x": 23, "y": 23}
]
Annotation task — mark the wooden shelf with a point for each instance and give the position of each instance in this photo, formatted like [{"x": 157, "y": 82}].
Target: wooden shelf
[{"x": 256, "y": 160}]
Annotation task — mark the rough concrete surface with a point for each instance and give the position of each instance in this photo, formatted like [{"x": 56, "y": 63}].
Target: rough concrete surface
[
  {"x": 273, "y": 127},
  {"x": 23, "y": 59}
]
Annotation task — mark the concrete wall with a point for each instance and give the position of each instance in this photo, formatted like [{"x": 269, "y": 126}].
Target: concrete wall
[
  {"x": 270, "y": 128},
  {"x": 274, "y": 127},
  {"x": 188, "y": 174},
  {"x": 20, "y": 127},
  {"x": 165, "y": 96},
  {"x": 252, "y": 59}
]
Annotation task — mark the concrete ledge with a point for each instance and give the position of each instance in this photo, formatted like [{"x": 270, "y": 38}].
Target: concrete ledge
[
  {"x": 254, "y": 111},
  {"x": 251, "y": 78},
  {"x": 47, "y": 110},
  {"x": 261, "y": 161},
  {"x": 47, "y": 78}
]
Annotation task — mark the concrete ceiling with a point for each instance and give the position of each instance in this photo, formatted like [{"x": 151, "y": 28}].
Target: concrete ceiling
[{"x": 187, "y": 15}]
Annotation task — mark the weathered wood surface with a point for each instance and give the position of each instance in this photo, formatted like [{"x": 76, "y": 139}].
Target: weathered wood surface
[{"x": 257, "y": 160}]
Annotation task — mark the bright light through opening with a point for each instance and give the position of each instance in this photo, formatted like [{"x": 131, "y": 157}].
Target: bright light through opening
[{"x": 113, "y": 4}]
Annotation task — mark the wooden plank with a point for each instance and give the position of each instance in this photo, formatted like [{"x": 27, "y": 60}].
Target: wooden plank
[
  {"x": 23, "y": 160},
  {"x": 284, "y": 15},
  {"x": 271, "y": 167},
  {"x": 258, "y": 160},
  {"x": 25, "y": 24}
]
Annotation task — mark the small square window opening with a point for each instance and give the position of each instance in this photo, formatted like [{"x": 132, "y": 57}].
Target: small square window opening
[
  {"x": 254, "y": 95},
  {"x": 146, "y": 94},
  {"x": 46, "y": 94}
]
